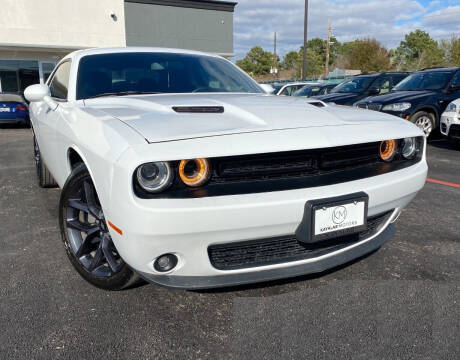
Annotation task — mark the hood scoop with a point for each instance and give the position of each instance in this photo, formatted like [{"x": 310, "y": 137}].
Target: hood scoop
[
  {"x": 199, "y": 109},
  {"x": 317, "y": 103}
]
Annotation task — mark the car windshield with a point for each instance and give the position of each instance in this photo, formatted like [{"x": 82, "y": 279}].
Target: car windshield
[
  {"x": 148, "y": 72},
  {"x": 355, "y": 85},
  {"x": 434, "y": 80},
  {"x": 307, "y": 91},
  {"x": 277, "y": 87}
]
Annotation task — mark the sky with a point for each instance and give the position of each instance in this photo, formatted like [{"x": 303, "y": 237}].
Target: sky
[{"x": 388, "y": 21}]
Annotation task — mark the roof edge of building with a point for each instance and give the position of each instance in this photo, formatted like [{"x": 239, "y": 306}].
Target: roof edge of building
[{"x": 194, "y": 4}]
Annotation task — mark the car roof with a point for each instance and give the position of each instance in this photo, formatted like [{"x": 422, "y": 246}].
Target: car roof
[
  {"x": 132, "y": 49},
  {"x": 439, "y": 69},
  {"x": 383, "y": 73}
]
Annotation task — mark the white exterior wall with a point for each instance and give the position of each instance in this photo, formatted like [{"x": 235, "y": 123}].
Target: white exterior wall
[{"x": 67, "y": 24}]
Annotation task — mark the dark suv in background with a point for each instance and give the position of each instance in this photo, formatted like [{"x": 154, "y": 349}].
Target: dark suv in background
[
  {"x": 421, "y": 97},
  {"x": 362, "y": 86}
]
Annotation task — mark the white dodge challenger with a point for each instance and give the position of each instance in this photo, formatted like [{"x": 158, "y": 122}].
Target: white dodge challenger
[{"x": 175, "y": 167}]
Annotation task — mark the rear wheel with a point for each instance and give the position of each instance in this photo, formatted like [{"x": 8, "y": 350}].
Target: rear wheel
[
  {"x": 425, "y": 121},
  {"x": 45, "y": 179},
  {"x": 86, "y": 236}
]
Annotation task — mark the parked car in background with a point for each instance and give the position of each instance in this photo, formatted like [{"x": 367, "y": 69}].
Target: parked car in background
[
  {"x": 420, "y": 98},
  {"x": 267, "y": 88},
  {"x": 176, "y": 167},
  {"x": 450, "y": 122},
  {"x": 362, "y": 86},
  {"x": 13, "y": 109},
  {"x": 315, "y": 90},
  {"x": 288, "y": 89}
]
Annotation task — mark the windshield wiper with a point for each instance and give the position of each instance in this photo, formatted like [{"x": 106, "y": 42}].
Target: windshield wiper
[{"x": 123, "y": 93}]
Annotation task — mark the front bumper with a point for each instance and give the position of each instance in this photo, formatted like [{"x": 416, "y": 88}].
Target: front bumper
[
  {"x": 317, "y": 265},
  {"x": 187, "y": 227},
  {"x": 447, "y": 120}
]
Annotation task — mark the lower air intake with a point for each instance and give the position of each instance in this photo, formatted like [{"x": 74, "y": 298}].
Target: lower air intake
[{"x": 240, "y": 255}]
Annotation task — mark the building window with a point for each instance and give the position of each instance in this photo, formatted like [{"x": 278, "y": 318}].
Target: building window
[{"x": 16, "y": 75}]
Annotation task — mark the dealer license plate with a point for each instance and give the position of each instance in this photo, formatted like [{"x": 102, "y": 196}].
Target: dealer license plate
[
  {"x": 334, "y": 217},
  {"x": 339, "y": 218}
]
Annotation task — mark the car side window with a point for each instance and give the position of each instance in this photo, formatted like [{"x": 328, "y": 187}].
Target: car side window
[
  {"x": 383, "y": 83},
  {"x": 59, "y": 84},
  {"x": 456, "y": 80}
]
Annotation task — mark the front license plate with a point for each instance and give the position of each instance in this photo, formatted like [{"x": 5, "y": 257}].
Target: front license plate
[
  {"x": 5, "y": 109},
  {"x": 334, "y": 217}
]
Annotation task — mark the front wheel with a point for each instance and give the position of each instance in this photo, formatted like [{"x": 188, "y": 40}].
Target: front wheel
[
  {"x": 425, "y": 121},
  {"x": 86, "y": 236}
]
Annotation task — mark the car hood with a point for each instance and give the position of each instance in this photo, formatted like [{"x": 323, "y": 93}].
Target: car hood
[
  {"x": 154, "y": 117},
  {"x": 339, "y": 98},
  {"x": 399, "y": 96}
]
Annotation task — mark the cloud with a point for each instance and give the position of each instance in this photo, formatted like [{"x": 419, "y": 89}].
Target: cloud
[{"x": 388, "y": 21}]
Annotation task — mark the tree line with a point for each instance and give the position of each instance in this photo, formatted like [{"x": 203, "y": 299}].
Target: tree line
[{"x": 418, "y": 50}]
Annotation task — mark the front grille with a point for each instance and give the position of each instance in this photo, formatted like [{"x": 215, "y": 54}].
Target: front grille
[
  {"x": 293, "y": 163},
  {"x": 454, "y": 131},
  {"x": 289, "y": 170},
  {"x": 284, "y": 249}
]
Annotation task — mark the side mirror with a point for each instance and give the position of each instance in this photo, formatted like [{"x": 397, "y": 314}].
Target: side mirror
[
  {"x": 40, "y": 92},
  {"x": 374, "y": 91},
  {"x": 36, "y": 92},
  {"x": 453, "y": 88}
]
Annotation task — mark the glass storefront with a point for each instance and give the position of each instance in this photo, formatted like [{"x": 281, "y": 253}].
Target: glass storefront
[{"x": 16, "y": 75}]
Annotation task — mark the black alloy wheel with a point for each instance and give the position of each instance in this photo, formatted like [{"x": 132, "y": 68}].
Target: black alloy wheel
[{"x": 86, "y": 236}]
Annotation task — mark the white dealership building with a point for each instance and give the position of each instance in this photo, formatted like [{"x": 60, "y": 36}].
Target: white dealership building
[{"x": 34, "y": 35}]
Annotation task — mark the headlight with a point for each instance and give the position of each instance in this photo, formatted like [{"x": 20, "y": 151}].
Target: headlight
[
  {"x": 154, "y": 177},
  {"x": 388, "y": 150},
  {"x": 451, "y": 107},
  {"x": 397, "y": 107},
  {"x": 409, "y": 148},
  {"x": 194, "y": 172}
]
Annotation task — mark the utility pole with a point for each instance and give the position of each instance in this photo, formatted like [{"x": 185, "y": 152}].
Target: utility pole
[
  {"x": 328, "y": 46},
  {"x": 305, "y": 28},
  {"x": 275, "y": 63}
]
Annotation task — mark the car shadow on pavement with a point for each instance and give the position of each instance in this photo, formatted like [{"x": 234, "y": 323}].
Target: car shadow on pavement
[
  {"x": 443, "y": 144},
  {"x": 14, "y": 126}
]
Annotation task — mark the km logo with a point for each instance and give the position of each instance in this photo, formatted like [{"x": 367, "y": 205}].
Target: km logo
[{"x": 339, "y": 214}]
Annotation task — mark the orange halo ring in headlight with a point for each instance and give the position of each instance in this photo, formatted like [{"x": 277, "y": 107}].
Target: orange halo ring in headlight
[
  {"x": 388, "y": 149},
  {"x": 200, "y": 175}
]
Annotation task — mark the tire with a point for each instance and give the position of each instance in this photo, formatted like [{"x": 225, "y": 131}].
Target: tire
[
  {"x": 86, "y": 237},
  {"x": 425, "y": 121},
  {"x": 45, "y": 179}
]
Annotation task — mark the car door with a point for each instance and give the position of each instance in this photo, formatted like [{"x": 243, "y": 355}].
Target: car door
[{"x": 47, "y": 121}]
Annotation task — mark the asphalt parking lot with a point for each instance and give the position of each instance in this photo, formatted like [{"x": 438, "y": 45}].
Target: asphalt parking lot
[{"x": 402, "y": 302}]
